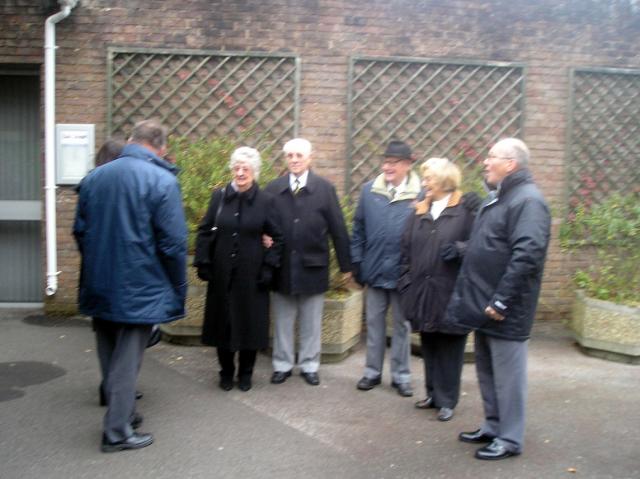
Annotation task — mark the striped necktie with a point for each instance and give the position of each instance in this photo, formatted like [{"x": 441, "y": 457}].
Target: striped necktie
[
  {"x": 392, "y": 192},
  {"x": 296, "y": 186}
]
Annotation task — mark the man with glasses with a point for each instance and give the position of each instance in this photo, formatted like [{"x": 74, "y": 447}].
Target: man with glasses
[
  {"x": 384, "y": 206},
  {"x": 497, "y": 291}
]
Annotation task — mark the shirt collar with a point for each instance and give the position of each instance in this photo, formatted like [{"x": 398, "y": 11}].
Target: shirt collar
[
  {"x": 400, "y": 188},
  {"x": 302, "y": 179}
]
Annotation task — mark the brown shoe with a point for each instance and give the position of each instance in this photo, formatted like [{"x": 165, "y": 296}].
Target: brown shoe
[{"x": 426, "y": 403}]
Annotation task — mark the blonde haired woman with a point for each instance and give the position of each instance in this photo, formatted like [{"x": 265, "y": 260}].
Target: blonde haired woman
[{"x": 432, "y": 250}]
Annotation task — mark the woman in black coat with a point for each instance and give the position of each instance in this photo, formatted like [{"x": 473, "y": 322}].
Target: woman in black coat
[
  {"x": 432, "y": 249},
  {"x": 231, "y": 256}
]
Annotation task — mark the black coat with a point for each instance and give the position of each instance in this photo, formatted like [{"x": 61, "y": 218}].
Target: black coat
[
  {"x": 237, "y": 306},
  {"x": 504, "y": 261},
  {"x": 307, "y": 220},
  {"x": 426, "y": 280}
]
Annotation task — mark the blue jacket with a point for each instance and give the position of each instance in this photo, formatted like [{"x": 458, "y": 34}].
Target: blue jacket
[
  {"x": 378, "y": 225},
  {"x": 131, "y": 232}
]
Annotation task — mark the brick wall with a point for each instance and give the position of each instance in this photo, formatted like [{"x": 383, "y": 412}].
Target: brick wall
[{"x": 548, "y": 36}]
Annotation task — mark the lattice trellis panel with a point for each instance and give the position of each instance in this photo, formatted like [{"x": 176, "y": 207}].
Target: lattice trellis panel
[
  {"x": 604, "y": 145},
  {"x": 445, "y": 109},
  {"x": 250, "y": 97}
]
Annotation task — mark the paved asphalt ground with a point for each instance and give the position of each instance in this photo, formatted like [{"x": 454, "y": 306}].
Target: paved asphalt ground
[{"x": 583, "y": 418}]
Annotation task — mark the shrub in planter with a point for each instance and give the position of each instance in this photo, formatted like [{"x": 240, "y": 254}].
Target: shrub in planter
[
  {"x": 612, "y": 231},
  {"x": 606, "y": 316},
  {"x": 204, "y": 166}
]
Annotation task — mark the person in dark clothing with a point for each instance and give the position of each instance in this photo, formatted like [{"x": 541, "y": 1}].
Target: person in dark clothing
[
  {"x": 132, "y": 235},
  {"x": 239, "y": 269},
  {"x": 432, "y": 249},
  {"x": 497, "y": 291},
  {"x": 109, "y": 151},
  {"x": 310, "y": 212}
]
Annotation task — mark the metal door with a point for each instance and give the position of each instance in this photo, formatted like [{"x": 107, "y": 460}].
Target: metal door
[{"x": 20, "y": 188}]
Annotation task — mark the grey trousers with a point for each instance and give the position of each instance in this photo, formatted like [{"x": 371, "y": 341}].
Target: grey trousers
[
  {"x": 501, "y": 366},
  {"x": 307, "y": 310},
  {"x": 377, "y": 303},
  {"x": 120, "y": 349}
]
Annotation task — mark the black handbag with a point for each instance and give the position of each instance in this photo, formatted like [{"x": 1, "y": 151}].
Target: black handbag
[{"x": 206, "y": 241}]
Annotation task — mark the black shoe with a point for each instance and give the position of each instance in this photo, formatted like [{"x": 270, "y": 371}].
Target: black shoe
[
  {"x": 475, "y": 437},
  {"x": 445, "y": 414},
  {"x": 311, "y": 378},
  {"x": 494, "y": 452},
  {"x": 426, "y": 403},
  {"x": 404, "y": 389},
  {"x": 137, "y": 420},
  {"x": 244, "y": 382},
  {"x": 103, "y": 396},
  {"x": 226, "y": 383},
  {"x": 278, "y": 377},
  {"x": 366, "y": 384},
  {"x": 135, "y": 441}
]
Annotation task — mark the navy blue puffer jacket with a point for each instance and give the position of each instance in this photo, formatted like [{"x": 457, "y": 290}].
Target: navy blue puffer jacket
[
  {"x": 378, "y": 225},
  {"x": 131, "y": 232}
]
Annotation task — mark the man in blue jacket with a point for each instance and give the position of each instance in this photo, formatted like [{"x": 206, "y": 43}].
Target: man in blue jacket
[
  {"x": 384, "y": 206},
  {"x": 131, "y": 233},
  {"x": 497, "y": 291}
]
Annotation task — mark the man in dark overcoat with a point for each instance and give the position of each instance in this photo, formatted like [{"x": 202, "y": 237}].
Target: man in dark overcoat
[
  {"x": 497, "y": 291},
  {"x": 310, "y": 213},
  {"x": 131, "y": 232}
]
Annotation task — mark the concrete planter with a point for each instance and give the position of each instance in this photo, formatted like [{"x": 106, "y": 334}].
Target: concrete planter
[
  {"x": 606, "y": 330},
  {"x": 341, "y": 326},
  {"x": 188, "y": 330},
  {"x": 341, "y": 322}
]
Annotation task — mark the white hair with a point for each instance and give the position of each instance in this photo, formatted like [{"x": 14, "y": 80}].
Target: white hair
[
  {"x": 298, "y": 145},
  {"x": 518, "y": 149},
  {"x": 248, "y": 155}
]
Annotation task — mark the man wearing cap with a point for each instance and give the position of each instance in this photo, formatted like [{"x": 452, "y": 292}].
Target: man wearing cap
[
  {"x": 310, "y": 213},
  {"x": 384, "y": 206}
]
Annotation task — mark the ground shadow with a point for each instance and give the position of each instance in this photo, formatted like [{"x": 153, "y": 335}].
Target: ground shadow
[{"x": 14, "y": 376}]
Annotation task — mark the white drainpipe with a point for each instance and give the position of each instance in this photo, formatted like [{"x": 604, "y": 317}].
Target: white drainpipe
[{"x": 49, "y": 148}]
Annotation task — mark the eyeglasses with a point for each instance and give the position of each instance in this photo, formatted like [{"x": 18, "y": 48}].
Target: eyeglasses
[{"x": 492, "y": 157}]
